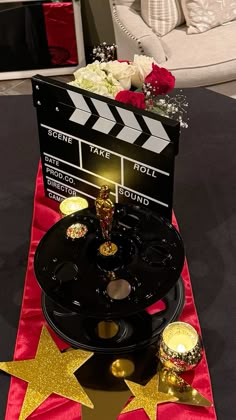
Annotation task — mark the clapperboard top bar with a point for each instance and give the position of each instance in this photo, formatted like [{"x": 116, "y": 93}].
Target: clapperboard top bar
[{"x": 142, "y": 128}]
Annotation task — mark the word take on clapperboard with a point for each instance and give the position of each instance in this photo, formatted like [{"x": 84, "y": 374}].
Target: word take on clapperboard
[{"x": 87, "y": 140}]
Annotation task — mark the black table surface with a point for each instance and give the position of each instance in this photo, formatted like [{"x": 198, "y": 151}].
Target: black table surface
[{"x": 204, "y": 203}]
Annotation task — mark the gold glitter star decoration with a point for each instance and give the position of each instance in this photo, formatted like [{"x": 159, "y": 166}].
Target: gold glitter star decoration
[
  {"x": 147, "y": 397},
  {"x": 49, "y": 372}
]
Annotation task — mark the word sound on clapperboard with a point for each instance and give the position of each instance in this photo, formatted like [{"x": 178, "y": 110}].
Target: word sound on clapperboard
[{"x": 87, "y": 140}]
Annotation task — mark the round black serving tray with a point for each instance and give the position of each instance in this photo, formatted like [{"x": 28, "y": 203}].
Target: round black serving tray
[{"x": 74, "y": 275}]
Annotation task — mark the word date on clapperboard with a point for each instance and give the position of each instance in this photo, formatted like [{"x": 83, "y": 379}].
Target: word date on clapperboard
[{"x": 87, "y": 140}]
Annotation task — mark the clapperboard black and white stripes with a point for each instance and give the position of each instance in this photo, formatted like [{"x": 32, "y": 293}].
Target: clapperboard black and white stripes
[{"x": 87, "y": 140}]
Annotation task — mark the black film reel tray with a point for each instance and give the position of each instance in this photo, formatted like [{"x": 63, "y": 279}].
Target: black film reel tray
[{"x": 73, "y": 274}]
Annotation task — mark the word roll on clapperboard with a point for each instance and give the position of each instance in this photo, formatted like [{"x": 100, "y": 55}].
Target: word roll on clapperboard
[{"x": 87, "y": 140}]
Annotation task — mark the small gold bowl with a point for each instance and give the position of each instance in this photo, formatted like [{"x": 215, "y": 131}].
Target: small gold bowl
[{"x": 180, "y": 347}]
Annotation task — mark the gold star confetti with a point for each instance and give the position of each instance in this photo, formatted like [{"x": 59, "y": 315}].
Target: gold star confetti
[
  {"x": 147, "y": 397},
  {"x": 50, "y": 372}
]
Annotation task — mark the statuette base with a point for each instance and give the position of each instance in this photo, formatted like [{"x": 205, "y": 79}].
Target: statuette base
[{"x": 108, "y": 249}]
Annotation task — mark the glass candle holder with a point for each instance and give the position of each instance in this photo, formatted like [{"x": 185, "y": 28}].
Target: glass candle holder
[
  {"x": 72, "y": 204},
  {"x": 180, "y": 347}
]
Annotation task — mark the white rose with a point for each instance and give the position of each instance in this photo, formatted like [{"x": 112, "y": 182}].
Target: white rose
[
  {"x": 142, "y": 67},
  {"x": 122, "y": 72}
]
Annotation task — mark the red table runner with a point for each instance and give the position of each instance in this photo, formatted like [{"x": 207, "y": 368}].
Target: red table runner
[{"x": 31, "y": 322}]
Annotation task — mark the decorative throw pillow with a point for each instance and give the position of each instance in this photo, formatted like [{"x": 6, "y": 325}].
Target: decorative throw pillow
[
  {"x": 202, "y": 15},
  {"x": 162, "y": 15}
]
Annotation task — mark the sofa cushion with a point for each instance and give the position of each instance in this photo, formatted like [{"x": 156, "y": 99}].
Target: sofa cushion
[
  {"x": 205, "y": 58},
  {"x": 162, "y": 15},
  {"x": 134, "y": 36},
  {"x": 202, "y": 15}
]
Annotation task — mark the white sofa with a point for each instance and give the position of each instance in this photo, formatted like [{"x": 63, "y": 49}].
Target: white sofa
[{"x": 203, "y": 59}]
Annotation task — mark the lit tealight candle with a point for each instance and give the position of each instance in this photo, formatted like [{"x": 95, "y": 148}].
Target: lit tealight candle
[
  {"x": 180, "y": 347},
  {"x": 180, "y": 337},
  {"x": 72, "y": 204}
]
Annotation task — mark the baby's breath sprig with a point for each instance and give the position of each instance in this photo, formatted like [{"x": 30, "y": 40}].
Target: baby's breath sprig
[
  {"x": 104, "y": 52},
  {"x": 174, "y": 107}
]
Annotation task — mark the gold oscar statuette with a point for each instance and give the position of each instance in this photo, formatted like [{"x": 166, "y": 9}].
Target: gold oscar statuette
[{"x": 105, "y": 211}]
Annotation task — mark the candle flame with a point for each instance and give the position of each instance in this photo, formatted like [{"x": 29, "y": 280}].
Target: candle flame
[{"x": 181, "y": 348}]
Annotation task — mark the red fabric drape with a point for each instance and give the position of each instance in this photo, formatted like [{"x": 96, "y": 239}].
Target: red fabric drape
[
  {"x": 60, "y": 30},
  {"x": 30, "y": 325}
]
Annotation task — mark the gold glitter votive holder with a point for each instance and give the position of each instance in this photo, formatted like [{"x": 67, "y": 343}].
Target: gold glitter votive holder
[
  {"x": 72, "y": 204},
  {"x": 180, "y": 347}
]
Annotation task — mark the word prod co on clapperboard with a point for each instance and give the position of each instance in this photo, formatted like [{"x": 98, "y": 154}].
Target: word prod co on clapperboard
[{"x": 87, "y": 140}]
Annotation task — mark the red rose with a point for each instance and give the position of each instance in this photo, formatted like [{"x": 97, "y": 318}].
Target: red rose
[
  {"x": 132, "y": 98},
  {"x": 161, "y": 80}
]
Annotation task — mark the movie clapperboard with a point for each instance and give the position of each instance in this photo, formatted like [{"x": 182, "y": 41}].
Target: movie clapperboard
[{"x": 87, "y": 140}]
